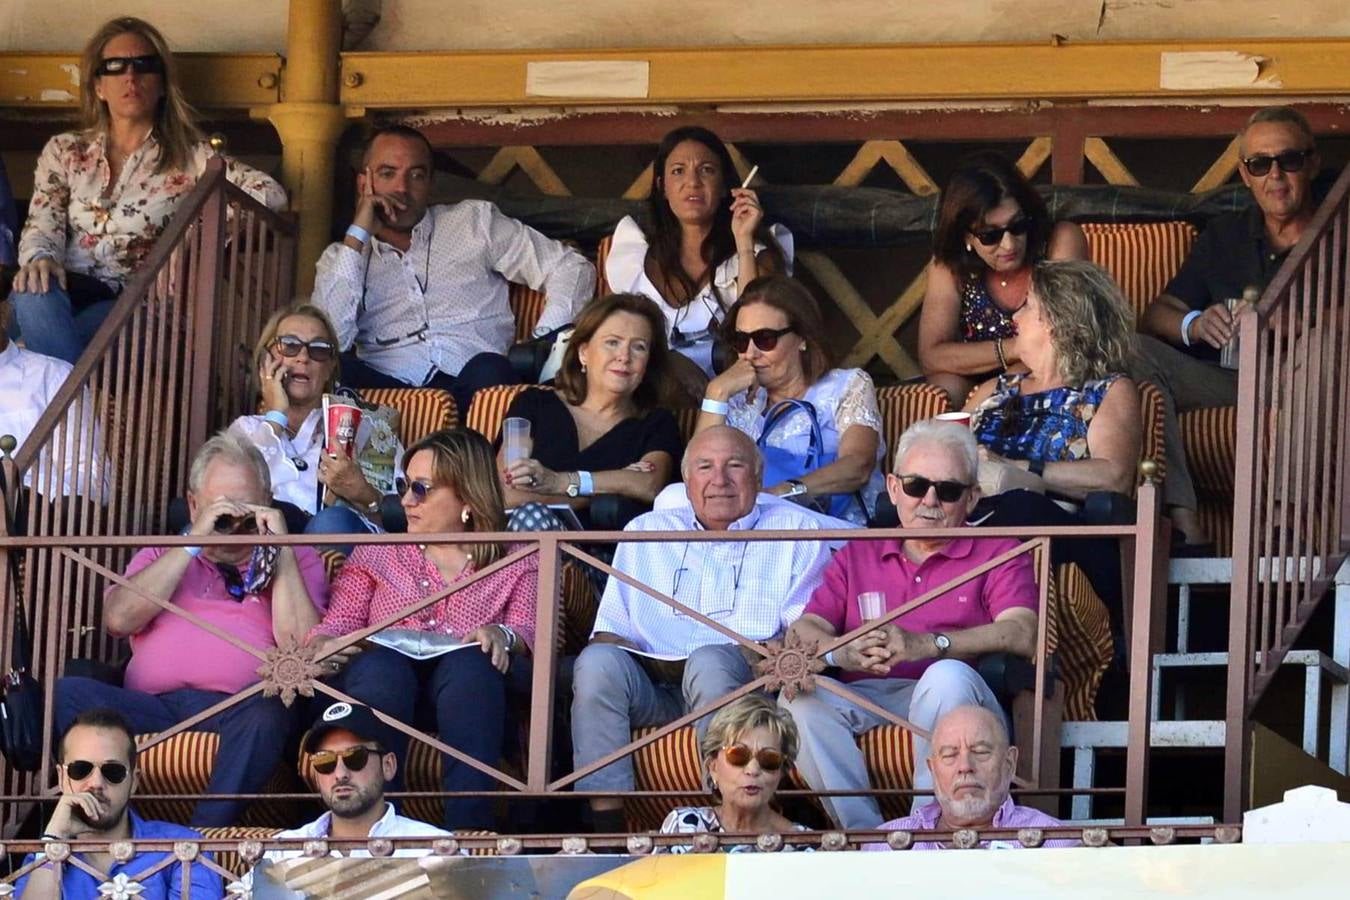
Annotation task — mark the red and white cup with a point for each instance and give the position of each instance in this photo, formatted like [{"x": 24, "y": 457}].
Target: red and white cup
[
  {"x": 959, "y": 418},
  {"x": 343, "y": 421}
]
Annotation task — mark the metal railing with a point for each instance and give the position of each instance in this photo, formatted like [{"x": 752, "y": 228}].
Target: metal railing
[
  {"x": 169, "y": 365},
  {"x": 1291, "y": 509}
]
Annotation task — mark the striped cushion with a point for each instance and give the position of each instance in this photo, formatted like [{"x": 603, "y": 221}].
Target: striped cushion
[
  {"x": 527, "y": 305},
  {"x": 1142, "y": 257},
  {"x": 182, "y": 765},
  {"x": 601, "y": 254},
  {"x": 230, "y": 860},
  {"x": 489, "y": 408},
  {"x": 1082, "y": 640},
  {"x": 420, "y": 410},
  {"x": 903, "y": 405},
  {"x": 1151, "y": 411},
  {"x": 1210, "y": 438}
]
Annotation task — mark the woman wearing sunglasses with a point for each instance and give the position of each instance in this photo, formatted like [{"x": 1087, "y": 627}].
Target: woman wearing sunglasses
[
  {"x": 749, "y": 745},
  {"x": 451, "y": 488},
  {"x": 102, "y": 195},
  {"x": 992, "y": 228},
  {"x": 704, "y": 240},
  {"x": 297, "y": 363},
  {"x": 776, "y": 329}
]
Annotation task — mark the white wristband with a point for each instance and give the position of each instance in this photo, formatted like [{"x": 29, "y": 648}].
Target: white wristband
[
  {"x": 715, "y": 407},
  {"x": 1186, "y": 325},
  {"x": 829, "y": 659},
  {"x": 586, "y": 487},
  {"x": 356, "y": 231}
]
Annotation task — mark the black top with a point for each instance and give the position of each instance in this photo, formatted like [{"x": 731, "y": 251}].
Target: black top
[
  {"x": 556, "y": 444},
  {"x": 1232, "y": 253}
]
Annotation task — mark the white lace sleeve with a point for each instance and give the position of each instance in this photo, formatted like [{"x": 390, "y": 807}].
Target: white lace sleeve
[{"x": 858, "y": 404}]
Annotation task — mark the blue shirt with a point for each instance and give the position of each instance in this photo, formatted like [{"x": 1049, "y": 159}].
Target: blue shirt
[
  {"x": 9, "y": 220},
  {"x": 166, "y": 884}
]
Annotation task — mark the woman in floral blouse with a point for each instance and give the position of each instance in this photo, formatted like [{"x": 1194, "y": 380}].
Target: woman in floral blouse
[
  {"x": 102, "y": 195},
  {"x": 452, "y": 486}
]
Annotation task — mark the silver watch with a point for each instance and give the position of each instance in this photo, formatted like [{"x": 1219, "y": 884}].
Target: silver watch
[
  {"x": 573, "y": 487},
  {"x": 943, "y": 644},
  {"x": 795, "y": 489}
]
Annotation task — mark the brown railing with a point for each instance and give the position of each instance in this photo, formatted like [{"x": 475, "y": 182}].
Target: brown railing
[
  {"x": 169, "y": 365},
  {"x": 1291, "y": 510}
]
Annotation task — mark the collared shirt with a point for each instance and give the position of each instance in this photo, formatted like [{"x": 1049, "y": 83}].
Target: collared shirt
[
  {"x": 1008, "y": 815},
  {"x": 389, "y": 825},
  {"x": 378, "y": 581},
  {"x": 1232, "y": 253},
  {"x": 28, "y": 384},
  {"x": 756, "y": 588},
  {"x": 166, "y": 884},
  {"x": 883, "y": 566},
  {"x": 436, "y": 306},
  {"x": 171, "y": 653},
  {"x": 81, "y": 218}
]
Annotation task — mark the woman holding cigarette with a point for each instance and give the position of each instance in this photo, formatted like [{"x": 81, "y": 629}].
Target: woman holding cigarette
[
  {"x": 322, "y": 492},
  {"x": 992, "y": 228},
  {"x": 705, "y": 240}
]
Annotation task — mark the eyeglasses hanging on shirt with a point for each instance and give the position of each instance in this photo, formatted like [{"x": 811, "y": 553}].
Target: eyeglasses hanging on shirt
[
  {"x": 423, "y": 283},
  {"x": 697, "y": 566}
]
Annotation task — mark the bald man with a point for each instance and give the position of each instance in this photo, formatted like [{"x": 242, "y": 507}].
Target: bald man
[
  {"x": 972, "y": 764},
  {"x": 648, "y": 663}
]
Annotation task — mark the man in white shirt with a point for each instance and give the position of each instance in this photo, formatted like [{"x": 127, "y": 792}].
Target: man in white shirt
[
  {"x": 348, "y": 752},
  {"x": 755, "y": 589},
  {"x": 418, "y": 293}
]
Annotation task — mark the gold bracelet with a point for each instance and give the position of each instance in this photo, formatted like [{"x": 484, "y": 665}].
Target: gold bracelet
[{"x": 998, "y": 349}]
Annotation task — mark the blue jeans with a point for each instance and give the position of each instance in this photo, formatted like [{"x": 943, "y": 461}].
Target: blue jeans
[
  {"x": 253, "y": 734},
  {"x": 461, "y": 697},
  {"x": 50, "y": 323}
]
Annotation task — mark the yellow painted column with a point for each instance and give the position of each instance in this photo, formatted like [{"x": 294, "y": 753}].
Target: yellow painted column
[{"x": 310, "y": 121}]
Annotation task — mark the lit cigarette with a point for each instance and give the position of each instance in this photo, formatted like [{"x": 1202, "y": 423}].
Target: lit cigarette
[{"x": 749, "y": 178}]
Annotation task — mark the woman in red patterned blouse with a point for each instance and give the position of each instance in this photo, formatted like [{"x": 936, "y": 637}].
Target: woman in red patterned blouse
[{"x": 452, "y": 487}]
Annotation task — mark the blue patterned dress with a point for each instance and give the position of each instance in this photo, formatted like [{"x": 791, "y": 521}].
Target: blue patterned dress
[{"x": 1050, "y": 425}]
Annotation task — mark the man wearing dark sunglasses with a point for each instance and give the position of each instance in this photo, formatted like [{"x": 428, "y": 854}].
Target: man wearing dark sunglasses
[
  {"x": 1183, "y": 330},
  {"x": 346, "y": 751},
  {"x": 259, "y": 596},
  {"x": 918, "y": 666},
  {"x": 96, "y": 773}
]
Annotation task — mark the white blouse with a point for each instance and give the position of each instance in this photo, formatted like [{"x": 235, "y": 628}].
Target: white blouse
[
  {"x": 842, "y": 398},
  {"x": 294, "y": 463},
  {"x": 626, "y": 272}
]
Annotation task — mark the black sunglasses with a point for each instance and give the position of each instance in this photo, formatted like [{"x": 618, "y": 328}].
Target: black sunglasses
[
  {"x": 765, "y": 339},
  {"x": 290, "y": 346},
  {"x": 991, "y": 237},
  {"x": 245, "y": 524},
  {"x": 141, "y": 65},
  {"x": 1289, "y": 161},
  {"x": 420, "y": 489},
  {"x": 947, "y": 491},
  {"x": 354, "y": 758},
  {"x": 113, "y": 772},
  {"x": 739, "y": 755}
]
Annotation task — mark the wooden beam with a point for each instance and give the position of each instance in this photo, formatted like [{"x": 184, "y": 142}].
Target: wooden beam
[
  {"x": 211, "y": 80},
  {"x": 1222, "y": 170},
  {"x": 1104, "y": 158},
  {"x": 1037, "y": 152},
  {"x": 855, "y": 308},
  {"x": 528, "y": 160},
  {"x": 902, "y": 72}
]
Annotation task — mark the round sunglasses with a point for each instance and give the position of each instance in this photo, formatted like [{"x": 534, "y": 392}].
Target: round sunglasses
[
  {"x": 1288, "y": 161},
  {"x": 354, "y": 758},
  {"x": 765, "y": 338},
  {"x": 947, "y": 491},
  {"x": 420, "y": 489},
  {"x": 739, "y": 755},
  {"x": 290, "y": 346},
  {"x": 991, "y": 237},
  {"x": 113, "y": 772}
]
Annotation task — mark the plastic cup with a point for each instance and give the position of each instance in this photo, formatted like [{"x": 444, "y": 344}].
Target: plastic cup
[
  {"x": 960, "y": 418},
  {"x": 871, "y": 605},
  {"x": 516, "y": 441},
  {"x": 1228, "y": 353},
  {"x": 343, "y": 421}
]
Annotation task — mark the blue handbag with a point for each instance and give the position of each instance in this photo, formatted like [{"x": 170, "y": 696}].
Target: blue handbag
[{"x": 783, "y": 465}]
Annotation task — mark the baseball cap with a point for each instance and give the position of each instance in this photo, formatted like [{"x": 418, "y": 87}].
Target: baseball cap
[{"x": 353, "y": 717}]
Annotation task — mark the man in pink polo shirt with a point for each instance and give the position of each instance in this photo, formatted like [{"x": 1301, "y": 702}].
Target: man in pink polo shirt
[
  {"x": 178, "y": 669},
  {"x": 914, "y": 667}
]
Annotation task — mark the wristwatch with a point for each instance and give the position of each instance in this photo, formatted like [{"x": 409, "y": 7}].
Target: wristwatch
[
  {"x": 943, "y": 644},
  {"x": 795, "y": 489},
  {"x": 574, "y": 486}
]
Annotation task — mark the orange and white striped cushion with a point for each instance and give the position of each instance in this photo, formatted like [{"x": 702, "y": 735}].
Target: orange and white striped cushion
[
  {"x": 421, "y": 411},
  {"x": 1082, "y": 640},
  {"x": 182, "y": 765},
  {"x": 230, "y": 860},
  {"x": 1151, "y": 411},
  {"x": 1141, "y": 256},
  {"x": 489, "y": 408},
  {"x": 527, "y": 305},
  {"x": 1210, "y": 439},
  {"x": 904, "y": 404},
  {"x": 601, "y": 254}
]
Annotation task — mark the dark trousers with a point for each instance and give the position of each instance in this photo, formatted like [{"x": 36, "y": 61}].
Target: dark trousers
[
  {"x": 483, "y": 370},
  {"x": 460, "y": 696},
  {"x": 253, "y": 734}
]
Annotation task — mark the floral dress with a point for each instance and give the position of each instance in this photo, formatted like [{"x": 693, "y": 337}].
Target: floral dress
[
  {"x": 703, "y": 819},
  {"x": 82, "y": 219},
  {"x": 1050, "y": 425},
  {"x": 981, "y": 318}
]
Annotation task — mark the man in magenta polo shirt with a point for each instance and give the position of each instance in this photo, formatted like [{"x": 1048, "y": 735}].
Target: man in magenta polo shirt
[
  {"x": 915, "y": 667},
  {"x": 178, "y": 669}
]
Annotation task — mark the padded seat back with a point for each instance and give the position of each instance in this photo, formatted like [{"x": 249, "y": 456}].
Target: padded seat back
[
  {"x": 421, "y": 411},
  {"x": 527, "y": 305},
  {"x": 182, "y": 765},
  {"x": 1141, "y": 256}
]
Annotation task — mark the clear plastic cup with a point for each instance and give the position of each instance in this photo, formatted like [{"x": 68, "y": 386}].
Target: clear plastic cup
[
  {"x": 871, "y": 605},
  {"x": 517, "y": 443}
]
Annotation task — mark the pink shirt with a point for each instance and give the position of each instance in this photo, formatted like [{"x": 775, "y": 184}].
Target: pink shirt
[
  {"x": 882, "y": 566},
  {"x": 1009, "y": 815},
  {"x": 171, "y": 653},
  {"x": 379, "y": 581}
]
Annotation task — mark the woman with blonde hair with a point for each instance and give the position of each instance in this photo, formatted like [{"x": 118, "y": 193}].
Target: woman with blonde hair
[
  {"x": 748, "y": 747},
  {"x": 103, "y": 194},
  {"x": 296, "y": 363},
  {"x": 451, "y": 487}
]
